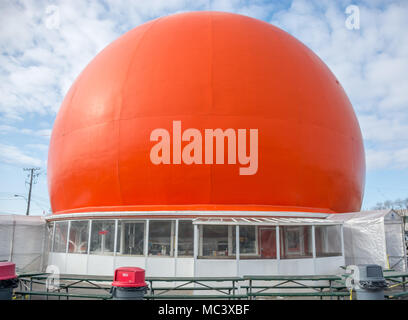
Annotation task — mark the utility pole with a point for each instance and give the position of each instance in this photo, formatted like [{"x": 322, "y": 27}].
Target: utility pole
[{"x": 32, "y": 175}]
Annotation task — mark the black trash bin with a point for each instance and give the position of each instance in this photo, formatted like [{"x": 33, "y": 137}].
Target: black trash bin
[
  {"x": 8, "y": 280},
  {"x": 129, "y": 284}
]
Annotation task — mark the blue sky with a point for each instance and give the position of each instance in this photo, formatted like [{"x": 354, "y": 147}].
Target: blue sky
[{"x": 44, "y": 45}]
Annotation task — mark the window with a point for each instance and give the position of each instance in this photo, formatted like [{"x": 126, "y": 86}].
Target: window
[
  {"x": 328, "y": 241},
  {"x": 161, "y": 238},
  {"x": 185, "y": 239},
  {"x": 267, "y": 242},
  {"x": 131, "y": 237},
  {"x": 78, "y": 237},
  {"x": 216, "y": 241},
  {"x": 102, "y": 237},
  {"x": 248, "y": 244},
  {"x": 296, "y": 242},
  {"x": 60, "y": 236},
  {"x": 50, "y": 232}
]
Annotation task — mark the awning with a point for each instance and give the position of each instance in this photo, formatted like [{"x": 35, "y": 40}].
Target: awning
[{"x": 265, "y": 221}]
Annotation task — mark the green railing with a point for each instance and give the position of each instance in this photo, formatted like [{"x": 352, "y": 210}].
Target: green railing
[{"x": 228, "y": 288}]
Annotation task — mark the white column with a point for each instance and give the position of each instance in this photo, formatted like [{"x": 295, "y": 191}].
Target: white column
[
  {"x": 69, "y": 230},
  {"x": 176, "y": 239},
  {"x": 114, "y": 246},
  {"x": 146, "y": 243},
  {"x": 342, "y": 242},
  {"x": 237, "y": 247},
  {"x": 89, "y": 245},
  {"x": 314, "y": 248},
  {"x": 67, "y": 245},
  {"x": 53, "y": 237},
  {"x": 230, "y": 240},
  {"x": 172, "y": 232},
  {"x": 122, "y": 237},
  {"x": 176, "y": 246},
  {"x": 89, "y": 237},
  {"x": 115, "y": 241},
  {"x": 195, "y": 248},
  {"x": 277, "y": 245}
]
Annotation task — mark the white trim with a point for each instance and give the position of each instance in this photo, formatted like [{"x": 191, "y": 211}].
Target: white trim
[
  {"x": 68, "y": 237},
  {"x": 237, "y": 248},
  {"x": 342, "y": 240},
  {"x": 114, "y": 214},
  {"x": 115, "y": 241},
  {"x": 175, "y": 252},
  {"x": 314, "y": 248},
  {"x": 53, "y": 235},
  {"x": 67, "y": 244},
  {"x": 195, "y": 248},
  {"x": 277, "y": 234},
  {"x": 146, "y": 243}
]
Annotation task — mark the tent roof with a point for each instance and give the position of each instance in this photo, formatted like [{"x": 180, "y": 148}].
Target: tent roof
[{"x": 388, "y": 214}]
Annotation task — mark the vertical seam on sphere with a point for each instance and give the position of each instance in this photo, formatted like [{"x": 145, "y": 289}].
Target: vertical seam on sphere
[
  {"x": 211, "y": 94},
  {"x": 121, "y": 104}
]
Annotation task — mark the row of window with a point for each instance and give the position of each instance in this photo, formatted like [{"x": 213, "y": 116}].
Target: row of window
[{"x": 214, "y": 241}]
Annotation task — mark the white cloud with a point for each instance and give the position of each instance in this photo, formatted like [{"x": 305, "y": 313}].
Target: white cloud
[
  {"x": 7, "y": 129},
  {"x": 38, "y": 146},
  {"x": 13, "y": 155}
]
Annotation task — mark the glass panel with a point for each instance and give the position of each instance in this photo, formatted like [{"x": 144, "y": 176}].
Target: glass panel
[
  {"x": 161, "y": 238},
  {"x": 247, "y": 240},
  {"x": 131, "y": 237},
  {"x": 295, "y": 242},
  {"x": 248, "y": 244},
  {"x": 267, "y": 242},
  {"x": 102, "y": 237},
  {"x": 328, "y": 241},
  {"x": 50, "y": 230},
  {"x": 78, "y": 237},
  {"x": 185, "y": 239},
  {"x": 60, "y": 237},
  {"x": 216, "y": 241}
]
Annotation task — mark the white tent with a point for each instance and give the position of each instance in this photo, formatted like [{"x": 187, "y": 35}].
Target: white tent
[
  {"x": 374, "y": 237},
  {"x": 23, "y": 240}
]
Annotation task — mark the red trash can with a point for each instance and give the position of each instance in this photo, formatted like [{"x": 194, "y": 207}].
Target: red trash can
[
  {"x": 129, "y": 284},
  {"x": 8, "y": 280}
]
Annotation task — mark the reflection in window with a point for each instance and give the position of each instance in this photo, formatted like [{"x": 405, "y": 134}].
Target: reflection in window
[
  {"x": 78, "y": 237},
  {"x": 216, "y": 241},
  {"x": 185, "y": 239},
  {"x": 267, "y": 242},
  {"x": 161, "y": 238},
  {"x": 131, "y": 237},
  {"x": 296, "y": 242},
  {"x": 102, "y": 236},
  {"x": 50, "y": 230},
  {"x": 248, "y": 247},
  {"x": 247, "y": 240},
  {"x": 328, "y": 241},
  {"x": 60, "y": 236}
]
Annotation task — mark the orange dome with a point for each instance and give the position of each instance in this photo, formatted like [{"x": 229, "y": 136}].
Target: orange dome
[{"x": 206, "y": 70}]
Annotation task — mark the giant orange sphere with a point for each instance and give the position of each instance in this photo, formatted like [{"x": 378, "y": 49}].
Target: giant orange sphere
[{"x": 202, "y": 71}]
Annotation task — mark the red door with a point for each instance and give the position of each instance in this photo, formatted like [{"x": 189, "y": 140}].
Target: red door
[{"x": 268, "y": 243}]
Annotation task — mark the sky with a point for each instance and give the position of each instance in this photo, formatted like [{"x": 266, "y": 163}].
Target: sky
[{"x": 44, "y": 45}]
